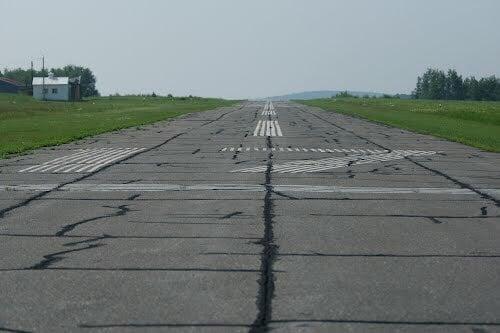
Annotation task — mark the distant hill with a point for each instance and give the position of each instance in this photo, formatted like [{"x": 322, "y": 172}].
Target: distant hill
[{"x": 319, "y": 94}]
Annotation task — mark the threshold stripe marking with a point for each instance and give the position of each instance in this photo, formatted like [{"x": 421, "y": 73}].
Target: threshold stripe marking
[
  {"x": 85, "y": 160},
  {"x": 306, "y": 166},
  {"x": 267, "y": 128},
  {"x": 300, "y": 149}
]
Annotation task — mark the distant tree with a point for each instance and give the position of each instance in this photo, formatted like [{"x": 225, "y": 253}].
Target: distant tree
[
  {"x": 488, "y": 87},
  {"x": 435, "y": 84},
  {"x": 472, "y": 88},
  {"x": 344, "y": 94},
  {"x": 497, "y": 91},
  {"x": 417, "y": 93},
  {"x": 454, "y": 86},
  {"x": 88, "y": 79}
]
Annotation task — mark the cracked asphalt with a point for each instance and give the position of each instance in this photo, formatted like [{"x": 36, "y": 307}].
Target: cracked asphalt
[{"x": 176, "y": 238}]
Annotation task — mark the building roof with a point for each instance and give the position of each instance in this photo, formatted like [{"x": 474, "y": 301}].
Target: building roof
[
  {"x": 10, "y": 81},
  {"x": 51, "y": 80}
]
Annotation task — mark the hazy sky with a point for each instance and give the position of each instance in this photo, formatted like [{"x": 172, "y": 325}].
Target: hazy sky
[{"x": 253, "y": 48}]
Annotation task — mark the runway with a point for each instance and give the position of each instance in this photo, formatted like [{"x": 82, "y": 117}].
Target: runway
[{"x": 263, "y": 216}]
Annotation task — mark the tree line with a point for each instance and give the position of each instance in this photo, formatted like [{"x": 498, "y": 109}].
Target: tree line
[
  {"x": 436, "y": 84},
  {"x": 87, "y": 82}
]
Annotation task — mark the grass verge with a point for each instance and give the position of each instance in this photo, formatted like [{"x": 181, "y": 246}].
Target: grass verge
[
  {"x": 472, "y": 123},
  {"x": 26, "y": 124}
]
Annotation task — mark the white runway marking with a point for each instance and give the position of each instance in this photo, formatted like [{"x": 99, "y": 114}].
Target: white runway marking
[
  {"x": 301, "y": 149},
  {"x": 85, "y": 160},
  {"x": 306, "y": 166},
  {"x": 269, "y": 113},
  {"x": 269, "y": 109},
  {"x": 241, "y": 187},
  {"x": 267, "y": 128}
]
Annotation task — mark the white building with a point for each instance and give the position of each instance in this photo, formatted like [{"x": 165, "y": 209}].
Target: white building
[{"x": 53, "y": 88}]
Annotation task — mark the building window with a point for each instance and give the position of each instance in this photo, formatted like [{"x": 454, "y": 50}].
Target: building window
[{"x": 54, "y": 91}]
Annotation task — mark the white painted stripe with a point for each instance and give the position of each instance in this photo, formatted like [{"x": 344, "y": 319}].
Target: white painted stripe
[
  {"x": 273, "y": 129},
  {"x": 224, "y": 149},
  {"x": 116, "y": 158},
  {"x": 105, "y": 159},
  {"x": 85, "y": 187},
  {"x": 81, "y": 159},
  {"x": 278, "y": 129},
  {"x": 263, "y": 128},
  {"x": 336, "y": 162},
  {"x": 256, "y": 131}
]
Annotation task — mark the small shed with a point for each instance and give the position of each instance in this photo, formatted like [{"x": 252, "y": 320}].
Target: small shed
[
  {"x": 53, "y": 88},
  {"x": 10, "y": 86}
]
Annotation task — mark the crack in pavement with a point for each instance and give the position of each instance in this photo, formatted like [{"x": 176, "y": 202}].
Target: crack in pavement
[
  {"x": 436, "y": 172},
  {"x": 90, "y": 174},
  {"x": 52, "y": 258},
  {"x": 122, "y": 210},
  {"x": 268, "y": 255}
]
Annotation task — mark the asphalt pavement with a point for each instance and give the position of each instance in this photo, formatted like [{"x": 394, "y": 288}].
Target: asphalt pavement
[{"x": 259, "y": 217}]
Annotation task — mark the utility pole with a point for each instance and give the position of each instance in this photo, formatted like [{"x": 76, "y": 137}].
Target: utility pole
[
  {"x": 31, "y": 83},
  {"x": 43, "y": 78}
]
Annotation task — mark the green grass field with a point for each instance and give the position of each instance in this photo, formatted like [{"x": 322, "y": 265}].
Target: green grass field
[
  {"x": 472, "y": 123},
  {"x": 27, "y": 124}
]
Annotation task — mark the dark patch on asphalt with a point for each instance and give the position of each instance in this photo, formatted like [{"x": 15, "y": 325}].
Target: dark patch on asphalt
[
  {"x": 219, "y": 131},
  {"x": 196, "y": 151}
]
